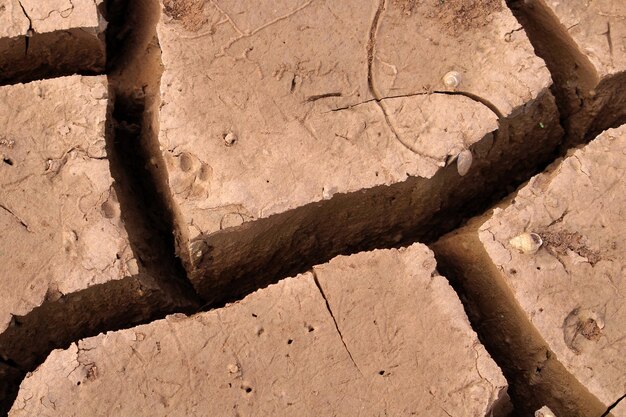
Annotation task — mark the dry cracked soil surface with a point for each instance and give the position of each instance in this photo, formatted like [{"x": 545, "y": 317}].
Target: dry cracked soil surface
[{"x": 307, "y": 207}]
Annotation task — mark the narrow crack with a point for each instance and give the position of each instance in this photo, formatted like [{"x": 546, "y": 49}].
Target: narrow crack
[
  {"x": 509, "y": 34},
  {"x": 483, "y": 101},
  {"x": 609, "y": 38},
  {"x": 330, "y": 311},
  {"x": 321, "y": 96},
  {"x": 612, "y": 406},
  {"x": 30, "y": 32},
  {"x": 22, "y": 222}
]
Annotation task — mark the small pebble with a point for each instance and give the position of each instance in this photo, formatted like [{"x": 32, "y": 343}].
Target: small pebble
[{"x": 230, "y": 139}]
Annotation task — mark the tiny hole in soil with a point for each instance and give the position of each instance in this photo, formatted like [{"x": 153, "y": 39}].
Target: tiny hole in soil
[
  {"x": 78, "y": 383},
  {"x": 381, "y": 372},
  {"x": 310, "y": 328},
  {"x": 247, "y": 389},
  {"x": 513, "y": 271},
  {"x": 254, "y": 315},
  {"x": 290, "y": 341},
  {"x": 7, "y": 161},
  {"x": 538, "y": 268}
]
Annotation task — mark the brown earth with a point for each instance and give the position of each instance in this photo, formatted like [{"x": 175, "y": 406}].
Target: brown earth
[
  {"x": 41, "y": 39},
  {"x": 568, "y": 295},
  {"x": 310, "y": 345},
  {"x": 186, "y": 156}
]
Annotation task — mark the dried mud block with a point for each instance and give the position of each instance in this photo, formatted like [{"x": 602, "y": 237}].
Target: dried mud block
[
  {"x": 255, "y": 124},
  {"x": 567, "y": 280},
  {"x": 599, "y": 30},
  {"x": 41, "y": 39},
  {"x": 60, "y": 220},
  {"x": 394, "y": 313},
  {"x": 369, "y": 344},
  {"x": 584, "y": 44}
]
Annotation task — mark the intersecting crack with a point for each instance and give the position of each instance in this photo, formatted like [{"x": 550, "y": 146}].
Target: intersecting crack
[
  {"x": 474, "y": 97},
  {"x": 30, "y": 30},
  {"x": 330, "y": 311},
  {"x": 572, "y": 71},
  {"x": 371, "y": 51},
  {"x": 378, "y": 98}
]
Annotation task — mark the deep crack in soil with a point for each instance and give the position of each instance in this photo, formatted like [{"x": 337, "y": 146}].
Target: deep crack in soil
[{"x": 386, "y": 216}]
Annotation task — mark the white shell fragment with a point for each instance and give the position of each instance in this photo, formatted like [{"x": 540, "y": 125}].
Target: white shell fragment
[
  {"x": 544, "y": 412},
  {"x": 464, "y": 162},
  {"x": 527, "y": 243},
  {"x": 452, "y": 79}
]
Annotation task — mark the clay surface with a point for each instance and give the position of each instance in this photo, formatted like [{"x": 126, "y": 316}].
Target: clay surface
[
  {"x": 13, "y": 21},
  {"x": 254, "y": 122},
  {"x": 51, "y": 15},
  {"x": 52, "y": 37},
  {"x": 361, "y": 335},
  {"x": 280, "y": 135},
  {"x": 395, "y": 313},
  {"x": 59, "y": 215},
  {"x": 571, "y": 289},
  {"x": 599, "y": 30}
]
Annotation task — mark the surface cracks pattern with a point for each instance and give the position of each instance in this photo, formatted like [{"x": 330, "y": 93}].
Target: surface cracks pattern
[
  {"x": 483, "y": 101},
  {"x": 371, "y": 84},
  {"x": 330, "y": 311},
  {"x": 378, "y": 98}
]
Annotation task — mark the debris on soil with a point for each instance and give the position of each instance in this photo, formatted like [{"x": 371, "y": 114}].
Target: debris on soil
[
  {"x": 562, "y": 241},
  {"x": 462, "y": 15},
  {"x": 189, "y": 12}
]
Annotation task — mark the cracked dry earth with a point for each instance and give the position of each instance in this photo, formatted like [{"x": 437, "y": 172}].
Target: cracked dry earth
[{"x": 307, "y": 207}]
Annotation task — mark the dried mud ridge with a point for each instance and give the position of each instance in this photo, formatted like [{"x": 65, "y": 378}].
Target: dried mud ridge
[{"x": 386, "y": 212}]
